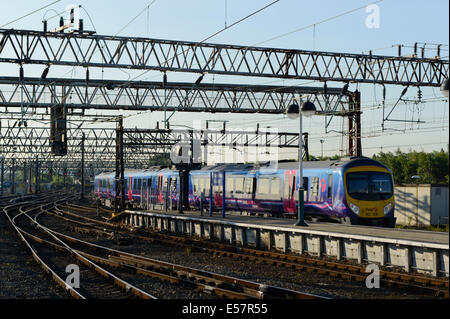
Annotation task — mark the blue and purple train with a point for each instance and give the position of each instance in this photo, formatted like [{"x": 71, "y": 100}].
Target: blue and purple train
[{"x": 353, "y": 191}]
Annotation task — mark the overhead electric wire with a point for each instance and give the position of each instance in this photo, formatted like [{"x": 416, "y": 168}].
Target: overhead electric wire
[
  {"x": 239, "y": 21},
  {"x": 209, "y": 37},
  {"x": 132, "y": 20},
  {"x": 33, "y": 12},
  {"x": 315, "y": 24}
]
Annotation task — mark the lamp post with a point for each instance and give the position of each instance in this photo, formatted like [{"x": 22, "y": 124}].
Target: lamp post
[{"x": 293, "y": 112}]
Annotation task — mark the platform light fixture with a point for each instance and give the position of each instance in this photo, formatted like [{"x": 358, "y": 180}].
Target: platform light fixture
[{"x": 293, "y": 112}]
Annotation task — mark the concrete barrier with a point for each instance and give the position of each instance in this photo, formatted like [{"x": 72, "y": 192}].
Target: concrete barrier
[{"x": 430, "y": 258}]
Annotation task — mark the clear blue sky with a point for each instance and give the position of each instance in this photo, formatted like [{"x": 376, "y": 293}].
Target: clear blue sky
[{"x": 401, "y": 22}]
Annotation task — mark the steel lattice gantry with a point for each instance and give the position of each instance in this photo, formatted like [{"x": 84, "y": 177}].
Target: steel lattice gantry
[
  {"x": 25, "y": 143},
  {"x": 78, "y": 49},
  {"x": 155, "y": 96}
]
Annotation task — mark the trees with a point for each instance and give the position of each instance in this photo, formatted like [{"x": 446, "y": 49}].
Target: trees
[{"x": 433, "y": 168}]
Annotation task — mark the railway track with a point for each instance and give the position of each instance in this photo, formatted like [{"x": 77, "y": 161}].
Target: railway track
[
  {"x": 55, "y": 250},
  {"x": 417, "y": 282},
  {"x": 54, "y": 256}
]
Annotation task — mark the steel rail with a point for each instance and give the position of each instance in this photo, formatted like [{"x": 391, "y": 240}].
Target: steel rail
[
  {"x": 212, "y": 282},
  {"x": 107, "y": 275},
  {"x": 332, "y": 268}
]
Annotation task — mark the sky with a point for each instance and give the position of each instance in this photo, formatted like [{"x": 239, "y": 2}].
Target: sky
[{"x": 401, "y": 22}]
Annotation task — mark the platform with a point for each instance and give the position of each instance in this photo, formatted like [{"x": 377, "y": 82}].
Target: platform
[{"x": 413, "y": 250}]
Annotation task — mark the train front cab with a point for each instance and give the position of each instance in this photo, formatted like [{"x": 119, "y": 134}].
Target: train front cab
[{"x": 369, "y": 192}]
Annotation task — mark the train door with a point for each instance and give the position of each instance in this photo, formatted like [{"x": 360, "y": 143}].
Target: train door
[
  {"x": 217, "y": 184},
  {"x": 314, "y": 194},
  {"x": 289, "y": 191},
  {"x": 148, "y": 188},
  {"x": 144, "y": 193},
  {"x": 130, "y": 188}
]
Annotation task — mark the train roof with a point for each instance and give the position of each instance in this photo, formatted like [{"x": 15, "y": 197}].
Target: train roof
[
  {"x": 150, "y": 170},
  {"x": 341, "y": 163}
]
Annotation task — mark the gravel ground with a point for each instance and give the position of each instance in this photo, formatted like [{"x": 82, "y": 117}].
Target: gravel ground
[
  {"x": 20, "y": 275},
  {"x": 277, "y": 276}
]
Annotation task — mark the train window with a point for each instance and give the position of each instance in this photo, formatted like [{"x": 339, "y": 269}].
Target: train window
[
  {"x": 195, "y": 185},
  {"x": 229, "y": 185},
  {"x": 201, "y": 185},
  {"x": 286, "y": 186},
  {"x": 275, "y": 186},
  {"x": 330, "y": 185},
  {"x": 263, "y": 186},
  {"x": 314, "y": 186},
  {"x": 139, "y": 184},
  {"x": 207, "y": 185},
  {"x": 239, "y": 185},
  {"x": 248, "y": 185},
  {"x": 144, "y": 183},
  {"x": 174, "y": 184}
]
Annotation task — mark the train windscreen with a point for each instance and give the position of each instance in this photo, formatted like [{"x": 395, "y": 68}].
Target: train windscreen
[{"x": 369, "y": 186}]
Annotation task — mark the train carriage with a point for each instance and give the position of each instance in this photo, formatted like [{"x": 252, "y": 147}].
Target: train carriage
[{"x": 355, "y": 190}]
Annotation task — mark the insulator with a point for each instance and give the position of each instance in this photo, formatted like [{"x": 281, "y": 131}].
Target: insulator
[
  {"x": 45, "y": 73},
  {"x": 165, "y": 79},
  {"x": 404, "y": 91},
  {"x": 21, "y": 74},
  {"x": 199, "y": 80}
]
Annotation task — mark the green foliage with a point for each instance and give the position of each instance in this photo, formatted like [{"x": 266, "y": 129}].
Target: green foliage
[
  {"x": 161, "y": 160},
  {"x": 433, "y": 168}
]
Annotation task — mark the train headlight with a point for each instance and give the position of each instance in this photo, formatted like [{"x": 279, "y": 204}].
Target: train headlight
[
  {"x": 387, "y": 208},
  {"x": 354, "y": 208}
]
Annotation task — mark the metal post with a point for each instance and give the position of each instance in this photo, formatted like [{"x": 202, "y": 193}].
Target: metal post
[
  {"x": 181, "y": 199},
  {"x": 2, "y": 174},
  {"x": 24, "y": 180},
  {"x": 12, "y": 177},
  {"x": 211, "y": 194},
  {"x": 37, "y": 181},
  {"x": 82, "y": 166},
  {"x": 64, "y": 177},
  {"x": 358, "y": 124},
  {"x": 119, "y": 200},
  {"x": 30, "y": 178},
  {"x": 202, "y": 197},
  {"x": 224, "y": 194},
  {"x": 301, "y": 204}
]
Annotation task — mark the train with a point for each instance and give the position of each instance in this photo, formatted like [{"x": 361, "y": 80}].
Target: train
[{"x": 356, "y": 190}]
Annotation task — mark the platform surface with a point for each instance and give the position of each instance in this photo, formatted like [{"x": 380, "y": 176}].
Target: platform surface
[{"x": 388, "y": 233}]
